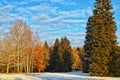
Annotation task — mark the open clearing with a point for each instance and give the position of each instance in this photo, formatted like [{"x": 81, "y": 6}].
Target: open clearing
[{"x": 54, "y": 76}]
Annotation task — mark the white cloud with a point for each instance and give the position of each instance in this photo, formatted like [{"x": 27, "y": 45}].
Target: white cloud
[
  {"x": 40, "y": 17},
  {"x": 77, "y": 13},
  {"x": 62, "y": 18},
  {"x": 116, "y": 7},
  {"x": 5, "y": 14},
  {"x": 118, "y": 22},
  {"x": 50, "y": 20},
  {"x": 64, "y": 2},
  {"x": 5, "y": 1},
  {"x": 23, "y": 11},
  {"x": 77, "y": 41},
  {"x": 7, "y": 7},
  {"x": 3, "y": 31},
  {"x": 74, "y": 21},
  {"x": 23, "y": 2},
  {"x": 76, "y": 34},
  {"x": 58, "y": 1},
  {"x": 71, "y": 14}
]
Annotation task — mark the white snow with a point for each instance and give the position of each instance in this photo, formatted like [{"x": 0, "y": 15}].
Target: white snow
[{"x": 54, "y": 76}]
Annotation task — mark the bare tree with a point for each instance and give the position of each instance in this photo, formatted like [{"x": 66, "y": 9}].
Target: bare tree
[
  {"x": 21, "y": 36},
  {"x": 17, "y": 48},
  {"x": 6, "y": 54}
]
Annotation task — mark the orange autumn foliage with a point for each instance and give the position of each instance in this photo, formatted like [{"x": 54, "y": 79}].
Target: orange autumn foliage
[
  {"x": 39, "y": 57},
  {"x": 77, "y": 64}
]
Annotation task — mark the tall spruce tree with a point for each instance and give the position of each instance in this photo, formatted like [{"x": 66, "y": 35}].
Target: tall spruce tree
[
  {"x": 88, "y": 45},
  {"x": 100, "y": 40},
  {"x": 115, "y": 62}
]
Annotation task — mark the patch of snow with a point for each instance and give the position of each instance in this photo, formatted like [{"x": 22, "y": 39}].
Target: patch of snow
[{"x": 54, "y": 76}]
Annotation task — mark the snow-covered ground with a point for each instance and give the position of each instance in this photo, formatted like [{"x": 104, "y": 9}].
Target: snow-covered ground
[{"x": 54, "y": 76}]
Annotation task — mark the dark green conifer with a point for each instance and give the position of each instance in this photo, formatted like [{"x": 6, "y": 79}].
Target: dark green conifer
[
  {"x": 65, "y": 55},
  {"x": 115, "y": 62},
  {"x": 88, "y": 45},
  {"x": 100, "y": 40},
  {"x": 46, "y": 52},
  {"x": 55, "y": 62}
]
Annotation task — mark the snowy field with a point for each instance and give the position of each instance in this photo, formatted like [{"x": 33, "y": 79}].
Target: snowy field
[{"x": 54, "y": 76}]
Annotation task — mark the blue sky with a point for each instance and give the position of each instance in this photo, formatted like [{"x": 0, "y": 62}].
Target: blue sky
[{"x": 52, "y": 19}]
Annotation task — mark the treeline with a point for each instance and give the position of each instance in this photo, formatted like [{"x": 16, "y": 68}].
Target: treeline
[
  {"x": 22, "y": 52},
  {"x": 64, "y": 58}
]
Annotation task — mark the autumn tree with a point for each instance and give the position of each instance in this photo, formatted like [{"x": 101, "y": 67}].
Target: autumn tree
[
  {"x": 77, "y": 63},
  {"x": 81, "y": 55},
  {"x": 21, "y": 37},
  {"x": 39, "y": 57},
  {"x": 7, "y": 56}
]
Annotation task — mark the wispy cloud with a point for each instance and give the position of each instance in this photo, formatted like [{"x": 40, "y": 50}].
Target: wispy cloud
[
  {"x": 74, "y": 21},
  {"x": 64, "y": 2},
  {"x": 43, "y": 8},
  {"x": 58, "y": 1},
  {"x": 118, "y": 22},
  {"x": 50, "y": 18},
  {"x": 45, "y": 19}
]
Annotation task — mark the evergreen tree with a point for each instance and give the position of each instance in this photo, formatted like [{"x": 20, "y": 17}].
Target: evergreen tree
[
  {"x": 46, "y": 45},
  {"x": 65, "y": 55},
  {"x": 88, "y": 45},
  {"x": 50, "y": 66},
  {"x": 55, "y": 59},
  {"x": 100, "y": 40},
  {"x": 61, "y": 50},
  {"x": 115, "y": 63},
  {"x": 46, "y": 53}
]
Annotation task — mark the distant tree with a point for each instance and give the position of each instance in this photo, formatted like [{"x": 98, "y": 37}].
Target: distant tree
[
  {"x": 82, "y": 56},
  {"x": 65, "y": 55},
  {"x": 81, "y": 51},
  {"x": 39, "y": 58},
  {"x": 55, "y": 58},
  {"x": 77, "y": 63},
  {"x": 49, "y": 68},
  {"x": 46, "y": 53}
]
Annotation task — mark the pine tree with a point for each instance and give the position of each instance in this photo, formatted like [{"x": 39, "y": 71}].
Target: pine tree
[
  {"x": 61, "y": 50},
  {"x": 115, "y": 63},
  {"x": 100, "y": 39},
  {"x": 46, "y": 53},
  {"x": 46, "y": 45},
  {"x": 65, "y": 55},
  {"x": 55, "y": 59},
  {"x": 88, "y": 45}
]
